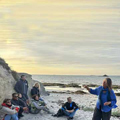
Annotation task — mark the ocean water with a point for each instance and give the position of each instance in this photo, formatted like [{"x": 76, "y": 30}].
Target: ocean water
[{"x": 79, "y": 79}]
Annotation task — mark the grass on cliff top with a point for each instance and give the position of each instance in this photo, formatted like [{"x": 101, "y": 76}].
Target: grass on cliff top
[{"x": 4, "y": 64}]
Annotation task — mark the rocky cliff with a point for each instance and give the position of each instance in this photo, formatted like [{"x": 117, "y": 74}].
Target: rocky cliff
[
  {"x": 6, "y": 83},
  {"x": 8, "y": 78}
]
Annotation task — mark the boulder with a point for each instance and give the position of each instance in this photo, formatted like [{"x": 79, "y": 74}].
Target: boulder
[{"x": 105, "y": 75}]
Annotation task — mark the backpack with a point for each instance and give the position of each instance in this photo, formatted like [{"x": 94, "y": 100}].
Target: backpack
[{"x": 59, "y": 113}]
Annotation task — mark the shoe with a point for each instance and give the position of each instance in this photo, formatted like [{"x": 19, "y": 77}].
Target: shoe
[
  {"x": 70, "y": 118},
  {"x": 21, "y": 116},
  {"x": 55, "y": 115}
]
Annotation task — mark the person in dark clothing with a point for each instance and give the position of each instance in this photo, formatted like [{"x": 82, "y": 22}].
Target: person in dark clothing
[
  {"x": 21, "y": 98},
  {"x": 26, "y": 104},
  {"x": 22, "y": 87},
  {"x": 20, "y": 103},
  {"x": 35, "y": 90},
  {"x": 106, "y": 100},
  {"x": 70, "y": 108}
]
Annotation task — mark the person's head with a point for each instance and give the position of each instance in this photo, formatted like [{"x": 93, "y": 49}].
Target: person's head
[
  {"x": 15, "y": 96},
  {"x": 19, "y": 95},
  {"x": 7, "y": 102},
  {"x": 37, "y": 85},
  {"x": 23, "y": 77},
  {"x": 69, "y": 99},
  {"x": 107, "y": 83},
  {"x": 36, "y": 97}
]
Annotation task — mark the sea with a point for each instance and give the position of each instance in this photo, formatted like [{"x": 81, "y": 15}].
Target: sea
[{"x": 79, "y": 79}]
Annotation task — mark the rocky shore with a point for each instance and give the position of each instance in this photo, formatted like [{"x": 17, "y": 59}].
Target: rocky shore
[{"x": 80, "y": 90}]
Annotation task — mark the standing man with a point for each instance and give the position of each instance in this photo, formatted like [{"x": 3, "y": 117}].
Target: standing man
[{"x": 22, "y": 87}]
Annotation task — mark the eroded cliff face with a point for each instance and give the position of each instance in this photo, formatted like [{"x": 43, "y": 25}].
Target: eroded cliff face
[
  {"x": 7, "y": 83},
  {"x": 8, "y": 78}
]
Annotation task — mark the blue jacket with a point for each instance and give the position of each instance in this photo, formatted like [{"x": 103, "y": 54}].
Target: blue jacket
[
  {"x": 70, "y": 106},
  {"x": 104, "y": 97}
]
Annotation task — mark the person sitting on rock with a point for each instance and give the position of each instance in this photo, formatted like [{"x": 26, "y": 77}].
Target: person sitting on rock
[
  {"x": 70, "y": 108},
  {"x": 37, "y": 105},
  {"x": 35, "y": 90},
  {"x": 8, "y": 111},
  {"x": 26, "y": 103},
  {"x": 21, "y": 98},
  {"x": 18, "y": 102}
]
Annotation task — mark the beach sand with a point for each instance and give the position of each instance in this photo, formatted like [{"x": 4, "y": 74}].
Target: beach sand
[{"x": 54, "y": 101}]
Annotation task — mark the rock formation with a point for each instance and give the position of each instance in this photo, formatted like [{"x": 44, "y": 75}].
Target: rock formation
[{"x": 8, "y": 78}]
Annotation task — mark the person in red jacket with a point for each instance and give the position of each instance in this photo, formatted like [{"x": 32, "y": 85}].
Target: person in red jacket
[{"x": 9, "y": 111}]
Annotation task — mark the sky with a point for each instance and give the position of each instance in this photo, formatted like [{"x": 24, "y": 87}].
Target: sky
[{"x": 61, "y": 37}]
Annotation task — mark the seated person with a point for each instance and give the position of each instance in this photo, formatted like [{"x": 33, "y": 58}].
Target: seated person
[
  {"x": 26, "y": 103},
  {"x": 21, "y": 97},
  {"x": 18, "y": 102},
  {"x": 69, "y": 109},
  {"x": 35, "y": 90},
  {"x": 8, "y": 111},
  {"x": 37, "y": 105}
]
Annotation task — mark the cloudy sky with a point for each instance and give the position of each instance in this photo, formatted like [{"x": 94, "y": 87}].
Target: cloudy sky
[{"x": 61, "y": 36}]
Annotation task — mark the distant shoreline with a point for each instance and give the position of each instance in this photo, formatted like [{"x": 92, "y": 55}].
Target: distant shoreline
[
  {"x": 76, "y": 85},
  {"x": 73, "y": 88}
]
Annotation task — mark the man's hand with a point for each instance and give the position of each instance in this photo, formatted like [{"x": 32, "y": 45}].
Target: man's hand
[
  {"x": 68, "y": 110},
  {"x": 107, "y": 103},
  {"x": 71, "y": 111},
  {"x": 25, "y": 108},
  {"x": 27, "y": 101}
]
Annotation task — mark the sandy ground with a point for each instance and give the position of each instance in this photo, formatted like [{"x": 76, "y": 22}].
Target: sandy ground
[{"x": 54, "y": 103}]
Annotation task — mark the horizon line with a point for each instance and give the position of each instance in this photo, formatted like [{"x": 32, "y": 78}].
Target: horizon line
[{"x": 76, "y": 75}]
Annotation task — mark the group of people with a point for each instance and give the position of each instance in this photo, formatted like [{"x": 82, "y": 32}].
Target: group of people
[{"x": 12, "y": 109}]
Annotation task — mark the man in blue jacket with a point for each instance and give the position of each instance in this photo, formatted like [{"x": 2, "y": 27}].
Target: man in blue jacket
[{"x": 22, "y": 87}]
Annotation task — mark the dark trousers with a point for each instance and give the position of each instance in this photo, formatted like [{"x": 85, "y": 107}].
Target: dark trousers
[
  {"x": 20, "y": 112},
  {"x": 99, "y": 115},
  {"x": 25, "y": 97}
]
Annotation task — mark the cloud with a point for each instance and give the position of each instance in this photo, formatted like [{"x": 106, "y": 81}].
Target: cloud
[{"x": 61, "y": 34}]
